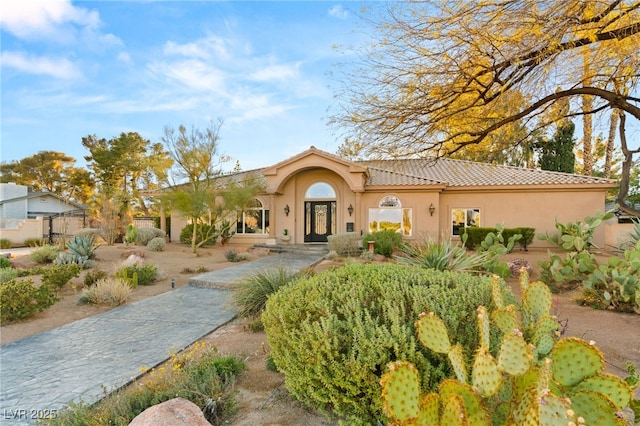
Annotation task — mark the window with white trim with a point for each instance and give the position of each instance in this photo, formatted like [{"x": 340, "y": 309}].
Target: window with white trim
[
  {"x": 390, "y": 215},
  {"x": 462, "y": 218},
  {"x": 254, "y": 219}
]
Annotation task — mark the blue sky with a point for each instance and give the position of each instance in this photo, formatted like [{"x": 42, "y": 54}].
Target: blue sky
[{"x": 72, "y": 69}]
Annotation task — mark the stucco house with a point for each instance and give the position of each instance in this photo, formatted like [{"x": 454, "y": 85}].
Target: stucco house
[
  {"x": 316, "y": 194},
  {"x": 22, "y": 212}
]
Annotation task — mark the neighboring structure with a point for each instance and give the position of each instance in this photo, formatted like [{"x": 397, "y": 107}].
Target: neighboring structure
[
  {"x": 23, "y": 212},
  {"x": 315, "y": 194}
]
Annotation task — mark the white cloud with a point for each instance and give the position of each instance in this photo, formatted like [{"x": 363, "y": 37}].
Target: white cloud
[
  {"x": 56, "y": 67},
  {"x": 192, "y": 74},
  {"x": 339, "y": 12},
  {"x": 124, "y": 57},
  {"x": 276, "y": 72},
  {"x": 45, "y": 19},
  {"x": 206, "y": 48}
]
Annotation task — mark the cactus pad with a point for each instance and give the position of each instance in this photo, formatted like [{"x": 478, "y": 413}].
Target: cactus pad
[
  {"x": 433, "y": 333},
  {"x": 485, "y": 375},
  {"x": 555, "y": 411},
  {"x": 595, "y": 408},
  {"x": 574, "y": 360},
  {"x": 401, "y": 391},
  {"x": 454, "y": 413},
  {"x": 429, "y": 410},
  {"x": 505, "y": 319},
  {"x": 616, "y": 389},
  {"x": 496, "y": 292},
  {"x": 526, "y": 412},
  {"x": 484, "y": 327},
  {"x": 475, "y": 408},
  {"x": 536, "y": 301},
  {"x": 456, "y": 358},
  {"x": 514, "y": 357},
  {"x": 543, "y": 341}
]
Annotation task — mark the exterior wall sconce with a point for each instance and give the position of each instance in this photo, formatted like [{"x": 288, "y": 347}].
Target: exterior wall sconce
[
  {"x": 432, "y": 209},
  {"x": 350, "y": 209},
  {"x": 287, "y": 210}
]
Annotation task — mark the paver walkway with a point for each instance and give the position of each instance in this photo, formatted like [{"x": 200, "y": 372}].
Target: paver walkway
[{"x": 40, "y": 374}]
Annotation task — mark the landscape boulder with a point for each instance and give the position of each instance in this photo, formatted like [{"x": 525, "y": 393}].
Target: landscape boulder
[
  {"x": 175, "y": 412},
  {"x": 516, "y": 264}
]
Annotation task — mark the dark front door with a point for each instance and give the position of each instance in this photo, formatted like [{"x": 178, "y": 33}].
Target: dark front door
[{"x": 319, "y": 220}]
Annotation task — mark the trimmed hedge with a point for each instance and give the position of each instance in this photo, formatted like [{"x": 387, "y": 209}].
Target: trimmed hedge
[
  {"x": 334, "y": 347},
  {"x": 476, "y": 235},
  {"x": 345, "y": 243},
  {"x": 386, "y": 242}
]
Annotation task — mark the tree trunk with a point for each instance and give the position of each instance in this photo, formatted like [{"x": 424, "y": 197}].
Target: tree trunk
[
  {"x": 626, "y": 170},
  {"x": 587, "y": 129},
  {"x": 608, "y": 159}
]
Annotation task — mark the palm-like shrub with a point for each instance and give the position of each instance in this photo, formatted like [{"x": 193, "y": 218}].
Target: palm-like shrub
[
  {"x": 442, "y": 255},
  {"x": 252, "y": 293}
]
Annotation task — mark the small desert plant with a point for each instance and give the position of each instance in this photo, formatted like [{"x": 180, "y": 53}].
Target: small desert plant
[
  {"x": 58, "y": 275},
  {"x": 147, "y": 234},
  {"x": 5, "y": 243},
  {"x": 442, "y": 255},
  {"x": 252, "y": 294},
  {"x": 345, "y": 244},
  {"x": 21, "y": 299},
  {"x": 83, "y": 245},
  {"x": 34, "y": 242},
  {"x": 5, "y": 262},
  {"x": 94, "y": 276},
  {"x": 144, "y": 274},
  {"x": 73, "y": 259},
  {"x": 107, "y": 291},
  {"x": 7, "y": 274},
  {"x": 131, "y": 234},
  {"x": 45, "y": 254},
  {"x": 233, "y": 256},
  {"x": 156, "y": 244}
]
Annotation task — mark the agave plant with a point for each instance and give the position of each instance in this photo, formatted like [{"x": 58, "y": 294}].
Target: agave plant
[
  {"x": 83, "y": 246},
  {"x": 442, "y": 255}
]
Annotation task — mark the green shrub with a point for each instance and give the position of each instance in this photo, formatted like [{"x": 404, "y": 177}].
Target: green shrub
[
  {"x": 145, "y": 274},
  {"x": 204, "y": 232},
  {"x": 5, "y": 262},
  {"x": 5, "y": 243},
  {"x": 34, "y": 242},
  {"x": 333, "y": 334},
  {"x": 144, "y": 235},
  {"x": 345, "y": 244},
  {"x": 58, "y": 275},
  {"x": 252, "y": 293},
  {"x": 45, "y": 254},
  {"x": 386, "y": 242},
  {"x": 94, "y": 276},
  {"x": 7, "y": 274},
  {"x": 131, "y": 234},
  {"x": 156, "y": 244},
  {"x": 21, "y": 299},
  {"x": 107, "y": 291}
]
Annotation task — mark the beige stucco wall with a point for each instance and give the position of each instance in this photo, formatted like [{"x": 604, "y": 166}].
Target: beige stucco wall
[
  {"x": 28, "y": 228},
  {"x": 526, "y": 208}
]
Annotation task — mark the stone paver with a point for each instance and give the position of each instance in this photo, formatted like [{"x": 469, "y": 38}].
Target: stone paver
[{"x": 79, "y": 361}]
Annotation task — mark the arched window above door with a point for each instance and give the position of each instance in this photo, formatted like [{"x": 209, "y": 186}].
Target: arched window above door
[{"x": 320, "y": 190}]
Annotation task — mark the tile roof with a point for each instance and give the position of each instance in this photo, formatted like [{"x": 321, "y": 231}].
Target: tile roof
[{"x": 460, "y": 173}]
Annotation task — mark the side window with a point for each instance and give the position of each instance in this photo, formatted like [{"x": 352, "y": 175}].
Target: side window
[
  {"x": 253, "y": 220},
  {"x": 463, "y": 218}
]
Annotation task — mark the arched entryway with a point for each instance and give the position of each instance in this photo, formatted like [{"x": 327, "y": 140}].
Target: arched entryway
[{"x": 319, "y": 213}]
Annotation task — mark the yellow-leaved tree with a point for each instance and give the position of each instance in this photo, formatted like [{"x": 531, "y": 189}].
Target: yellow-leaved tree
[{"x": 449, "y": 77}]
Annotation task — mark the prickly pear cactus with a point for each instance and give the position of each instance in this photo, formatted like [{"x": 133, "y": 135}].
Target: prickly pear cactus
[
  {"x": 515, "y": 356},
  {"x": 432, "y": 333},
  {"x": 401, "y": 391}
]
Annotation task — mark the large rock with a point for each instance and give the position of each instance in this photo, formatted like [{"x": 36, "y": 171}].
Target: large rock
[
  {"x": 175, "y": 412},
  {"x": 517, "y": 264}
]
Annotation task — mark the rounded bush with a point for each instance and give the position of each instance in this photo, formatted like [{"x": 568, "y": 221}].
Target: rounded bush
[
  {"x": 386, "y": 242},
  {"x": 334, "y": 347},
  {"x": 156, "y": 244},
  {"x": 5, "y": 262},
  {"x": 145, "y": 235},
  {"x": 45, "y": 254}
]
